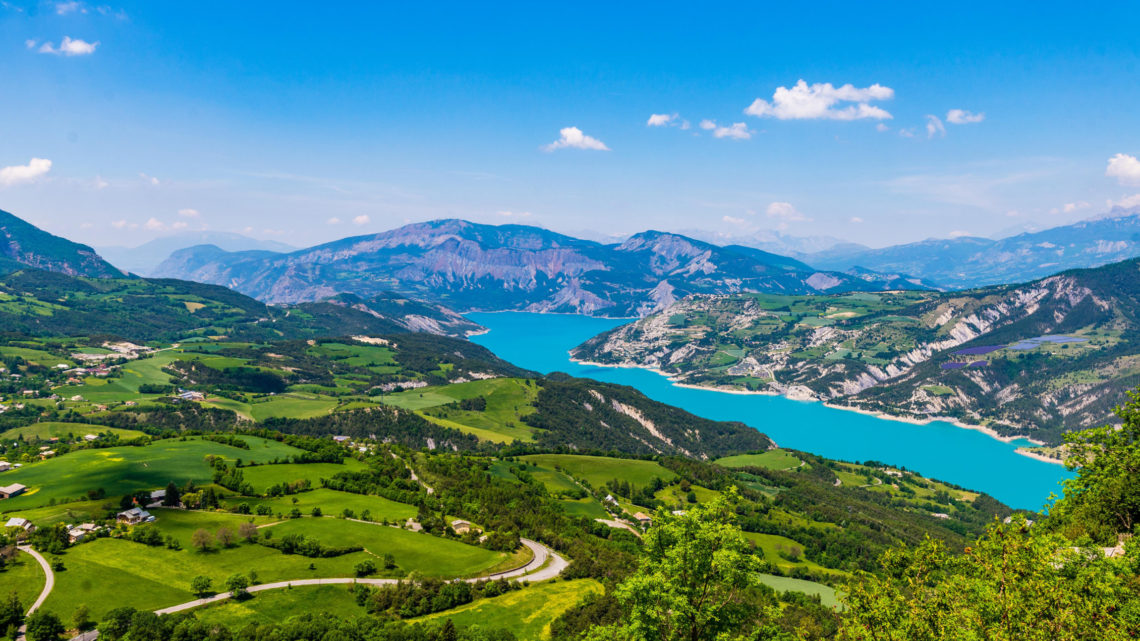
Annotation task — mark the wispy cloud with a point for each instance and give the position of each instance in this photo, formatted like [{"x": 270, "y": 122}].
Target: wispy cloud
[
  {"x": 64, "y": 8},
  {"x": 963, "y": 117},
  {"x": 333, "y": 221},
  {"x": 189, "y": 213},
  {"x": 934, "y": 127},
  {"x": 17, "y": 174},
  {"x": 362, "y": 219},
  {"x": 1124, "y": 168},
  {"x": 150, "y": 179},
  {"x": 735, "y": 131},
  {"x": 514, "y": 214},
  {"x": 823, "y": 101},
  {"x": 67, "y": 47},
  {"x": 660, "y": 120},
  {"x": 573, "y": 138},
  {"x": 785, "y": 212}
]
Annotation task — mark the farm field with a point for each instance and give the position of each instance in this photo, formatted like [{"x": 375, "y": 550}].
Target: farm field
[
  {"x": 25, "y": 577},
  {"x": 332, "y": 503},
  {"x": 772, "y": 460},
  {"x": 117, "y": 470},
  {"x": 828, "y": 595},
  {"x": 75, "y": 512},
  {"x": 771, "y": 545},
  {"x": 58, "y": 429},
  {"x": 413, "y": 551},
  {"x": 599, "y": 470},
  {"x": 527, "y": 612},
  {"x": 275, "y": 606},
  {"x": 262, "y": 477},
  {"x": 508, "y": 400},
  {"x": 292, "y": 406}
]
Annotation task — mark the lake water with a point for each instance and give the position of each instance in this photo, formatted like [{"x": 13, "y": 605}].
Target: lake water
[{"x": 541, "y": 342}]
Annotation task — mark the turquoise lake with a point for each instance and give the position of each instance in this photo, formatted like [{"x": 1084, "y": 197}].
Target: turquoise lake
[{"x": 940, "y": 450}]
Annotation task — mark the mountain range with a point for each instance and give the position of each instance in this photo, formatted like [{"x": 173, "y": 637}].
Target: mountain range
[
  {"x": 960, "y": 263},
  {"x": 144, "y": 258},
  {"x": 469, "y": 266},
  {"x": 22, "y": 244}
]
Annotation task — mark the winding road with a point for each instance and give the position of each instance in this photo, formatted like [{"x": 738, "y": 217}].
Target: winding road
[
  {"x": 48, "y": 585},
  {"x": 545, "y": 565}
]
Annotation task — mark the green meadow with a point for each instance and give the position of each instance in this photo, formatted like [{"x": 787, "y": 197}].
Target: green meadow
[
  {"x": 600, "y": 470},
  {"x": 56, "y": 429},
  {"x": 827, "y": 594},
  {"x": 772, "y": 460},
  {"x": 25, "y": 577},
  {"x": 413, "y": 551},
  {"x": 527, "y": 612},
  {"x": 261, "y": 477},
  {"x": 334, "y": 503},
  {"x": 275, "y": 606}
]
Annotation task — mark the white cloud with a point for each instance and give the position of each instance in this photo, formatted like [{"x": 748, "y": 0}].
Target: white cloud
[
  {"x": 707, "y": 124},
  {"x": 732, "y": 220},
  {"x": 188, "y": 213},
  {"x": 31, "y": 44},
  {"x": 64, "y": 8},
  {"x": 934, "y": 127},
  {"x": 154, "y": 224},
  {"x": 119, "y": 224},
  {"x": 180, "y": 224},
  {"x": 1072, "y": 207},
  {"x": 856, "y": 220},
  {"x": 907, "y": 133},
  {"x": 573, "y": 138},
  {"x": 881, "y": 127},
  {"x": 823, "y": 101},
  {"x": 362, "y": 219},
  {"x": 785, "y": 212},
  {"x": 963, "y": 117},
  {"x": 16, "y": 174},
  {"x": 736, "y": 131},
  {"x": 514, "y": 214},
  {"x": 69, "y": 47},
  {"x": 150, "y": 179},
  {"x": 660, "y": 120},
  {"x": 333, "y": 221},
  {"x": 1124, "y": 168},
  {"x": 958, "y": 233},
  {"x": 1126, "y": 203},
  {"x": 100, "y": 183}
]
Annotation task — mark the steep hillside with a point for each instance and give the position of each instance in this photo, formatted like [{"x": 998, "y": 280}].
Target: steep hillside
[
  {"x": 1035, "y": 359},
  {"x": 25, "y": 245},
  {"x": 512, "y": 267},
  {"x": 36, "y": 302},
  {"x": 974, "y": 262}
]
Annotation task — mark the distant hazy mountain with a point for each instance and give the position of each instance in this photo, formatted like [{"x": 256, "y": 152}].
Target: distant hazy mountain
[
  {"x": 776, "y": 242},
  {"x": 470, "y": 266},
  {"x": 22, "y": 244},
  {"x": 974, "y": 262},
  {"x": 143, "y": 259}
]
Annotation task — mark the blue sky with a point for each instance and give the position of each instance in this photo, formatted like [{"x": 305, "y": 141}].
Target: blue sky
[{"x": 304, "y": 123}]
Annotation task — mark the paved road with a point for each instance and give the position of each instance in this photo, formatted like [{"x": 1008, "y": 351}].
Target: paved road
[
  {"x": 532, "y": 571},
  {"x": 47, "y": 586}
]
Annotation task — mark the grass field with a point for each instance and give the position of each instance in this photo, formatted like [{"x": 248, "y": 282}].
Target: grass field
[
  {"x": 333, "y": 503},
  {"x": 292, "y": 406},
  {"x": 827, "y": 594},
  {"x": 587, "y": 507},
  {"x": 673, "y": 495},
  {"x": 39, "y": 357},
  {"x": 276, "y": 606},
  {"x": 600, "y": 470},
  {"x": 118, "y": 470},
  {"x": 76, "y": 512},
  {"x": 508, "y": 401},
  {"x": 527, "y": 612},
  {"x": 181, "y": 524},
  {"x": 126, "y": 386},
  {"x": 55, "y": 429},
  {"x": 263, "y": 476},
  {"x": 772, "y": 460},
  {"x": 414, "y": 551},
  {"x": 772, "y": 544},
  {"x": 24, "y": 577}
]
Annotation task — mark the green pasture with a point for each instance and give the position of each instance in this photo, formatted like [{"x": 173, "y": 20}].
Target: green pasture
[
  {"x": 25, "y": 577},
  {"x": 277, "y": 606},
  {"x": 599, "y": 470},
  {"x": 333, "y": 503},
  {"x": 35, "y": 356},
  {"x": 263, "y": 476},
  {"x": 772, "y": 460},
  {"x": 587, "y": 507},
  {"x": 413, "y": 551},
  {"x": 527, "y": 612},
  {"x": 292, "y": 406},
  {"x": 771, "y": 545},
  {"x": 828, "y": 595},
  {"x": 55, "y": 429}
]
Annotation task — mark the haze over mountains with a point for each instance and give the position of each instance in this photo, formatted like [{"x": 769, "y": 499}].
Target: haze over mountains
[
  {"x": 143, "y": 259},
  {"x": 470, "y": 266}
]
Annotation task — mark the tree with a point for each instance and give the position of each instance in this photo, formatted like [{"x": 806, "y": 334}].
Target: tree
[
  {"x": 116, "y": 623},
  {"x": 1104, "y": 498},
  {"x": 11, "y": 612},
  {"x": 44, "y": 626},
  {"x": 694, "y": 581},
  {"x": 81, "y": 620},
  {"x": 172, "y": 498},
  {"x": 200, "y": 586},
  {"x": 316, "y": 511},
  {"x": 1013, "y": 584},
  {"x": 202, "y": 539},
  {"x": 365, "y": 567},
  {"x": 247, "y": 531},
  {"x": 237, "y": 584},
  {"x": 225, "y": 536}
]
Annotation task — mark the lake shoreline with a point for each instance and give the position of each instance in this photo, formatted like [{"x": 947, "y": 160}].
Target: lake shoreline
[{"x": 913, "y": 420}]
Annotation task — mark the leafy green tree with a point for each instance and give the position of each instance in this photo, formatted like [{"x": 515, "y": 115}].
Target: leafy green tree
[
  {"x": 238, "y": 584},
  {"x": 81, "y": 619},
  {"x": 44, "y": 626},
  {"x": 200, "y": 586},
  {"x": 694, "y": 582},
  {"x": 116, "y": 623},
  {"x": 11, "y": 613},
  {"x": 173, "y": 497},
  {"x": 1104, "y": 498}
]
